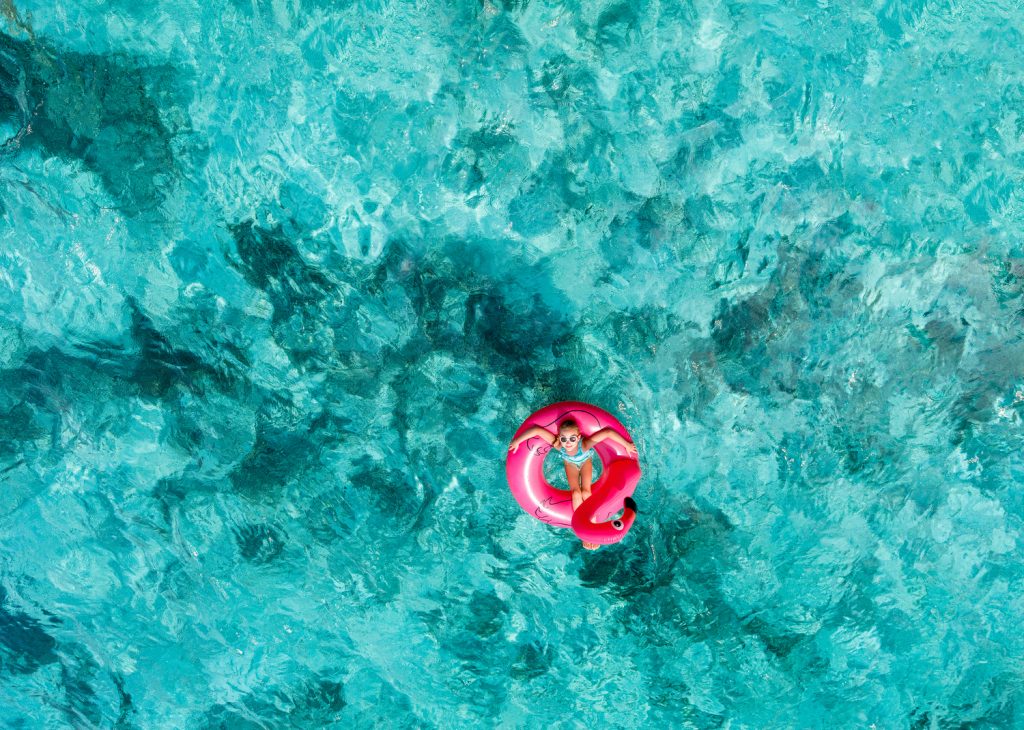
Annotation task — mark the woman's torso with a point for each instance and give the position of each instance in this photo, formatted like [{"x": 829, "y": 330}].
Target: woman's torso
[{"x": 578, "y": 458}]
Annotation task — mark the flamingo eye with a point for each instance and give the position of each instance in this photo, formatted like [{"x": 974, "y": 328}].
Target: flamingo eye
[{"x": 617, "y": 524}]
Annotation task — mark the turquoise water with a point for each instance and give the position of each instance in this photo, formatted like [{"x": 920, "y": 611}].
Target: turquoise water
[{"x": 279, "y": 280}]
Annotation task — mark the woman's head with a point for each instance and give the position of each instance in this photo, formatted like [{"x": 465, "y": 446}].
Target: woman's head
[{"x": 568, "y": 432}]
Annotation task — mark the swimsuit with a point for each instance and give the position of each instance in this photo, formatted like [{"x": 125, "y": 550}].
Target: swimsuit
[{"x": 577, "y": 458}]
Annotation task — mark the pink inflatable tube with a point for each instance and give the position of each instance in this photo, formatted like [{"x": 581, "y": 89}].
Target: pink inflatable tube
[{"x": 619, "y": 477}]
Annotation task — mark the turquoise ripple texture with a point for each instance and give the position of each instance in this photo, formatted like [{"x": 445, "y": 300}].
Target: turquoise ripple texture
[{"x": 279, "y": 279}]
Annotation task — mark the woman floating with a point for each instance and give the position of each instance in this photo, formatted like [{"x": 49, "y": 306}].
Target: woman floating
[{"x": 579, "y": 432}]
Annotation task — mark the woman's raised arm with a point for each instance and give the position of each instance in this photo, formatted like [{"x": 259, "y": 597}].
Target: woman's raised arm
[
  {"x": 529, "y": 433},
  {"x": 608, "y": 433}
]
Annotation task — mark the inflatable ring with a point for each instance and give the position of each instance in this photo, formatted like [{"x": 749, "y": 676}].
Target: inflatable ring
[{"x": 609, "y": 494}]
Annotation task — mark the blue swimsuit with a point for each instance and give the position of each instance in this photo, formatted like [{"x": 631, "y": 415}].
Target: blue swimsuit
[{"x": 577, "y": 458}]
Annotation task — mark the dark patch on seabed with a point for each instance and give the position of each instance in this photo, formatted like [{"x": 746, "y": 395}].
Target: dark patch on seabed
[
  {"x": 26, "y": 647},
  {"x": 259, "y": 544},
  {"x": 457, "y": 309},
  {"x": 381, "y": 484},
  {"x": 21, "y": 420},
  {"x": 270, "y": 262},
  {"x": 315, "y": 703},
  {"x": 278, "y": 454},
  {"x": 24, "y": 644},
  {"x": 159, "y": 365},
  {"x": 471, "y": 623},
  {"x": 102, "y": 109}
]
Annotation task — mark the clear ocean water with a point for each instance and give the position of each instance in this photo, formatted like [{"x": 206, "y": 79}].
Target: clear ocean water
[{"x": 280, "y": 278}]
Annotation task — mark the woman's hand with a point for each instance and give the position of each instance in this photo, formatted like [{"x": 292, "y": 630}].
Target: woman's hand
[
  {"x": 514, "y": 448},
  {"x": 630, "y": 449}
]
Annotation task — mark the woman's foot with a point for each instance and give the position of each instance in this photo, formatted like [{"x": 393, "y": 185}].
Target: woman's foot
[{"x": 591, "y": 545}]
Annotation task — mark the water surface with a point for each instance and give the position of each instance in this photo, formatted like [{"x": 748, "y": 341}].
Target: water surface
[{"x": 279, "y": 280}]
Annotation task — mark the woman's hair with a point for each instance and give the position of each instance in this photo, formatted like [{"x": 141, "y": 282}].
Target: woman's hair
[{"x": 568, "y": 423}]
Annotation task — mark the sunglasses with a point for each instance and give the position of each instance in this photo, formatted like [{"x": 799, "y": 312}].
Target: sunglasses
[{"x": 569, "y": 439}]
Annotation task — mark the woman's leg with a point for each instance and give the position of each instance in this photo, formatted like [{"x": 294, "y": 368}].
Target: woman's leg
[
  {"x": 577, "y": 480},
  {"x": 572, "y": 475},
  {"x": 586, "y": 475}
]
